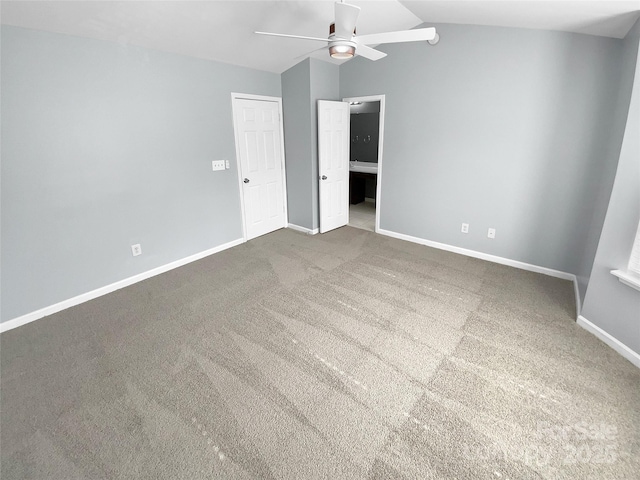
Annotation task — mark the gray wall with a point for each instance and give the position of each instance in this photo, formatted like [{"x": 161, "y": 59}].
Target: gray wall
[
  {"x": 302, "y": 86},
  {"x": 602, "y": 187},
  {"x": 496, "y": 127},
  {"x": 296, "y": 106},
  {"x": 364, "y": 126},
  {"x": 609, "y": 304},
  {"x": 104, "y": 146}
]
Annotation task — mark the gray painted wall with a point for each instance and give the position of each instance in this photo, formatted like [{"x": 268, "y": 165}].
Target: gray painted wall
[
  {"x": 296, "y": 106},
  {"x": 365, "y": 136},
  {"x": 302, "y": 86},
  {"x": 609, "y": 304},
  {"x": 602, "y": 188},
  {"x": 104, "y": 146},
  {"x": 496, "y": 127}
]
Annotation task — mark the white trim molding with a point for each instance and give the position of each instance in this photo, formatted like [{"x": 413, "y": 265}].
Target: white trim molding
[
  {"x": 628, "y": 278},
  {"x": 482, "y": 256},
  {"x": 382, "y": 100},
  {"x": 492, "y": 258},
  {"x": 98, "y": 292},
  {"x": 298, "y": 228},
  {"x": 613, "y": 342}
]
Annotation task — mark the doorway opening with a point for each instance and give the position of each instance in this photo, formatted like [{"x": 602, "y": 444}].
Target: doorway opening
[{"x": 365, "y": 161}]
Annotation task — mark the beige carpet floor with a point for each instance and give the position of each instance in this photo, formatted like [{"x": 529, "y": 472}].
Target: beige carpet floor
[{"x": 347, "y": 355}]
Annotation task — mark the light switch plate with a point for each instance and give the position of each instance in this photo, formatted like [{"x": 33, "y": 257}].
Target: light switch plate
[{"x": 218, "y": 165}]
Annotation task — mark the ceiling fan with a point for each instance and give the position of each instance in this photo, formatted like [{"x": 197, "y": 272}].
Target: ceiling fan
[{"x": 344, "y": 44}]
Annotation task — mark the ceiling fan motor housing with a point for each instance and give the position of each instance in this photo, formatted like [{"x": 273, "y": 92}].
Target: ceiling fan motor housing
[
  {"x": 332, "y": 29},
  {"x": 340, "y": 48}
]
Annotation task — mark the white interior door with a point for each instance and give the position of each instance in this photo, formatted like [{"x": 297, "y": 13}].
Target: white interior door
[
  {"x": 259, "y": 142},
  {"x": 333, "y": 164}
]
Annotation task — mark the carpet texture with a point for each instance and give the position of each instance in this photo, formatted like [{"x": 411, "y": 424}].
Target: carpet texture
[{"x": 339, "y": 356}]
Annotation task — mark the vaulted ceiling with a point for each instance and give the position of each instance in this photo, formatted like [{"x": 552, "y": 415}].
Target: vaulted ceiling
[{"x": 223, "y": 30}]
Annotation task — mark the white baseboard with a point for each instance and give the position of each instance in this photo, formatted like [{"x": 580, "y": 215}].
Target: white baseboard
[
  {"x": 298, "y": 228},
  {"x": 482, "y": 256},
  {"x": 98, "y": 292},
  {"x": 613, "y": 342},
  {"x": 492, "y": 258}
]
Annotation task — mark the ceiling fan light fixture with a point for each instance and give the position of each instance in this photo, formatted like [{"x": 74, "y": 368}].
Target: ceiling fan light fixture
[{"x": 342, "y": 51}]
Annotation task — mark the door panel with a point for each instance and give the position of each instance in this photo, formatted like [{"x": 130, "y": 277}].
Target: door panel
[
  {"x": 333, "y": 164},
  {"x": 261, "y": 166}
]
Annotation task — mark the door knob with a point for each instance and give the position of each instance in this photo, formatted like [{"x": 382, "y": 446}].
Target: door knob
[
  {"x": 246, "y": 180},
  {"x": 324, "y": 177}
]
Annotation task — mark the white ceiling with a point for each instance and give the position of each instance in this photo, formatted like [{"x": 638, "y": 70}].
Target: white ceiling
[
  {"x": 222, "y": 30},
  {"x": 604, "y": 18}
]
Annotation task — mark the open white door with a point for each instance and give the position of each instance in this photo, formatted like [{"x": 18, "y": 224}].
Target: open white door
[
  {"x": 259, "y": 145},
  {"x": 333, "y": 164}
]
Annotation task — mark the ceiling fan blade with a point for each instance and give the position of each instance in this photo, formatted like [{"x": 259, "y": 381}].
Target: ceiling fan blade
[
  {"x": 292, "y": 36},
  {"x": 370, "y": 53},
  {"x": 346, "y": 16},
  {"x": 397, "y": 37}
]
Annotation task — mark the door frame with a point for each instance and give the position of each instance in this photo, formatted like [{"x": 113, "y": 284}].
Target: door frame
[
  {"x": 234, "y": 107},
  {"x": 381, "y": 99}
]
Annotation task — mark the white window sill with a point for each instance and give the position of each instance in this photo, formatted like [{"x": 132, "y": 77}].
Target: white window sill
[{"x": 628, "y": 278}]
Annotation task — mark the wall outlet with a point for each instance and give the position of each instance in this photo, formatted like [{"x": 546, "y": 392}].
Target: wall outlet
[
  {"x": 491, "y": 233},
  {"x": 226, "y": 163},
  {"x": 136, "y": 249},
  {"x": 218, "y": 165},
  {"x": 465, "y": 228}
]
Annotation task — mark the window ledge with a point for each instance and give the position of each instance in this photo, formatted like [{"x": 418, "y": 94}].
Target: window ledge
[{"x": 628, "y": 278}]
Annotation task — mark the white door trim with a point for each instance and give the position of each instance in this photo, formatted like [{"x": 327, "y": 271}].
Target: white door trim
[
  {"x": 381, "y": 99},
  {"x": 264, "y": 98}
]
